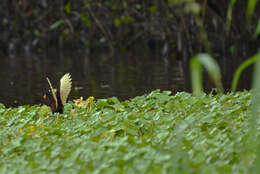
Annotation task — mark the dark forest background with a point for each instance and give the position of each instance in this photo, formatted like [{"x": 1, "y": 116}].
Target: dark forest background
[
  {"x": 185, "y": 26},
  {"x": 121, "y": 48}
]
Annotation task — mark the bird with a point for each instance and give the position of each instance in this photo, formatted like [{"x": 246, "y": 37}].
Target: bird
[{"x": 59, "y": 97}]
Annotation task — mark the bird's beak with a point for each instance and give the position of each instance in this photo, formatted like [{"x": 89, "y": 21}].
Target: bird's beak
[{"x": 44, "y": 97}]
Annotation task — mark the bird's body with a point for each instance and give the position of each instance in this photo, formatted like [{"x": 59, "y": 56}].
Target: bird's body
[
  {"x": 59, "y": 97},
  {"x": 53, "y": 106}
]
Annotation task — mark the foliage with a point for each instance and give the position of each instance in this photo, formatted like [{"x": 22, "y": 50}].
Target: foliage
[
  {"x": 196, "y": 72},
  {"x": 241, "y": 68},
  {"x": 214, "y": 71},
  {"x": 37, "y": 25},
  {"x": 153, "y": 133},
  {"x": 251, "y": 5},
  {"x": 251, "y": 8},
  {"x": 253, "y": 139}
]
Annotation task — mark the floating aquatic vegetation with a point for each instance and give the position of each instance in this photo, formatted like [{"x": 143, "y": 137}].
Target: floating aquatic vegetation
[{"x": 154, "y": 133}]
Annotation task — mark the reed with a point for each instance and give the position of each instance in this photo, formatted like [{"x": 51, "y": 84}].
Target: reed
[{"x": 196, "y": 72}]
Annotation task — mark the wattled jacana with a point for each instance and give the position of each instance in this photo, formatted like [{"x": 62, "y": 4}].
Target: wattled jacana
[{"x": 59, "y": 97}]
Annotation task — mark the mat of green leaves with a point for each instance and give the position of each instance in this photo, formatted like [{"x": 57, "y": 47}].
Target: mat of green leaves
[{"x": 153, "y": 133}]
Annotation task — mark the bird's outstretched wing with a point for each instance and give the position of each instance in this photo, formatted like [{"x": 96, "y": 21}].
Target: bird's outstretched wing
[
  {"x": 53, "y": 92},
  {"x": 65, "y": 87}
]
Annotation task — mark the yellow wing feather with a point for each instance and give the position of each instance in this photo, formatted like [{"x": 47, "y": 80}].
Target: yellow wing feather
[
  {"x": 53, "y": 92},
  {"x": 65, "y": 87}
]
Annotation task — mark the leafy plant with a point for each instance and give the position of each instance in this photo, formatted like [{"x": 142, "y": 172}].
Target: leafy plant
[
  {"x": 154, "y": 133},
  {"x": 213, "y": 69}
]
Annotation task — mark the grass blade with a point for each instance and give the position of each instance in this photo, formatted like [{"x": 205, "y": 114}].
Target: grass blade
[
  {"x": 253, "y": 142},
  {"x": 196, "y": 72},
  {"x": 196, "y": 75},
  {"x": 250, "y": 9},
  {"x": 241, "y": 68},
  {"x": 229, "y": 14},
  {"x": 257, "y": 30},
  {"x": 56, "y": 24}
]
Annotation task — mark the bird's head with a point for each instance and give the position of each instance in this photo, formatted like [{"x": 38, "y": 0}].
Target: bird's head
[{"x": 48, "y": 94}]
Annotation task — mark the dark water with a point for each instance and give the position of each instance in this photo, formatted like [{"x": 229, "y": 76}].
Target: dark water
[{"x": 23, "y": 78}]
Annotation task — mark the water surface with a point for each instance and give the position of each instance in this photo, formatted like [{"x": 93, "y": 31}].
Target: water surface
[{"x": 23, "y": 78}]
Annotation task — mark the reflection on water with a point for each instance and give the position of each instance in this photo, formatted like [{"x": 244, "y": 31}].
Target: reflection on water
[{"x": 23, "y": 78}]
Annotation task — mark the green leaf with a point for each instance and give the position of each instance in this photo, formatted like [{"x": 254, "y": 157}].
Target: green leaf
[
  {"x": 67, "y": 8},
  {"x": 117, "y": 22},
  {"x": 229, "y": 13},
  {"x": 257, "y": 30},
  {"x": 37, "y": 33},
  {"x": 123, "y": 19},
  {"x": 250, "y": 8},
  {"x": 138, "y": 6},
  {"x": 196, "y": 72},
  {"x": 241, "y": 68},
  {"x": 254, "y": 140},
  {"x": 153, "y": 9},
  {"x": 57, "y": 24},
  {"x": 179, "y": 133},
  {"x": 86, "y": 20}
]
